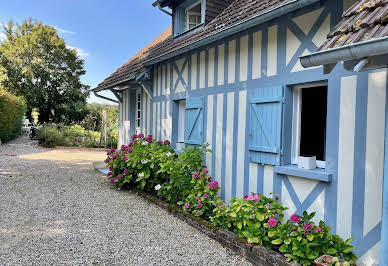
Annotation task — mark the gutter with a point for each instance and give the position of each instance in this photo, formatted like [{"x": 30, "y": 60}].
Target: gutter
[
  {"x": 105, "y": 98},
  {"x": 272, "y": 13},
  {"x": 163, "y": 10},
  {"x": 352, "y": 51}
]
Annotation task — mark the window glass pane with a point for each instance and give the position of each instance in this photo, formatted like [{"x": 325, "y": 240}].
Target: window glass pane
[
  {"x": 313, "y": 122},
  {"x": 192, "y": 19}
]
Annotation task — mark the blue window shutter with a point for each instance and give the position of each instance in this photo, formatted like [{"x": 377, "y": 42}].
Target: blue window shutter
[
  {"x": 265, "y": 125},
  {"x": 194, "y": 121}
]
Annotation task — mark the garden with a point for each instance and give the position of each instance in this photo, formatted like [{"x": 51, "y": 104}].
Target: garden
[{"x": 152, "y": 167}]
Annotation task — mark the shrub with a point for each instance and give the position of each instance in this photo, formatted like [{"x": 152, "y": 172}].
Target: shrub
[
  {"x": 203, "y": 197},
  {"x": 50, "y": 136},
  {"x": 140, "y": 163},
  {"x": 180, "y": 169},
  {"x": 251, "y": 217},
  {"x": 303, "y": 241},
  {"x": 12, "y": 110}
]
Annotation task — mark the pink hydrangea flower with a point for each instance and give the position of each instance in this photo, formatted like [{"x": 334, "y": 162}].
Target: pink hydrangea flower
[
  {"x": 267, "y": 206},
  {"x": 114, "y": 156},
  {"x": 125, "y": 158},
  {"x": 109, "y": 153},
  {"x": 295, "y": 218},
  {"x": 107, "y": 160},
  {"x": 318, "y": 230},
  {"x": 254, "y": 197},
  {"x": 119, "y": 176},
  {"x": 112, "y": 180},
  {"x": 167, "y": 142},
  {"x": 245, "y": 197},
  {"x": 199, "y": 205},
  {"x": 213, "y": 185},
  {"x": 110, "y": 167},
  {"x": 109, "y": 174},
  {"x": 140, "y": 136},
  {"x": 116, "y": 182},
  {"x": 205, "y": 195},
  {"x": 159, "y": 142},
  {"x": 112, "y": 150},
  {"x": 126, "y": 171},
  {"x": 272, "y": 222},
  {"x": 195, "y": 175},
  {"x": 123, "y": 147},
  {"x": 187, "y": 205},
  {"x": 209, "y": 179},
  {"x": 197, "y": 198},
  {"x": 130, "y": 144},
  {"x": 149, "y": 139},
  {"x": 308, "y": 227},
  {"x": 149, "y": 136},
  {"x": 134, "y": 136},
  {"x": 130, "y": 149},
  {"x": 205, "y": 171}
]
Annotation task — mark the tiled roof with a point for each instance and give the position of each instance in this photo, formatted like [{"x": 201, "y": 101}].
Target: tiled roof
[
  {"x": 239, "y": 11},
  {"x": 365, "y": 20}
]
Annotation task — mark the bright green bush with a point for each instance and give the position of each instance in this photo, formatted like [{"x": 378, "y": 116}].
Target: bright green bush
[
  {"x": 302, "y": 241},
  {"x": 180, "y": 169},
  {"x": 12, "y": 110},
  {"x": 50, "y": 136},
  {"x": 139, "y": 165}
]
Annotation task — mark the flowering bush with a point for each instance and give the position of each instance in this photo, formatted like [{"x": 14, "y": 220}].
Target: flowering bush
[
  {"x": 303, "y": 241},
  {"x": 179, "y": 184},
  {"x": 250, "y": 217},
  {"x": 203, "y": 197},
  {"x": 140, "y": 163}
]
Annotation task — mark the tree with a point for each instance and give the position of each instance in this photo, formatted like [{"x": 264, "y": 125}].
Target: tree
[{"x": 39, "y": 67}]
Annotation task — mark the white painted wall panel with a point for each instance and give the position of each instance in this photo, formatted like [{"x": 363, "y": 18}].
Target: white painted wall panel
[
  {"x": 256, "y": 55},
  {"x": 211, "y": 63},
  {"x": 202, "y": 68},
  {"x": 244, "y": 58},
  {"x": 272, "y": 50},
  {"x": 268, "y": 180},
  {"x": 240, "y": 164},
  {"x": 221, "y": 64},
  {"x": 229, "y": 146},
  {"x": 232, "y": 62},
  {"x": 194, "y": 71},
  {"x": 209, "y": 131},
  {"x": 219, "y": 125}
]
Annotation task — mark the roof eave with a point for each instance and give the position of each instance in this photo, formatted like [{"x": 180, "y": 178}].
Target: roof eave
[
  {"x": 243, "y": 25},
  {"x": 348, "y": 52}
]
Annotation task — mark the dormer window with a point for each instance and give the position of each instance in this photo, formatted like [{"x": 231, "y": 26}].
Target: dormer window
[{"x": 193, "y": 16}]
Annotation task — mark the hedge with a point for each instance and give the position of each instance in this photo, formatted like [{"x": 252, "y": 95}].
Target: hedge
[{"x": 12, "y": 110}]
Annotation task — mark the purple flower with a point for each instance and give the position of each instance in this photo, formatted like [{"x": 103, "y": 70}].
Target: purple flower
[
  {"x": 318, "y": 230},
  {"x": 159, "y": 142},
  {"x": 123, "y": 147},
  {"x": 110, "y": 167},
  {"x": 267, "y": 206},
  {"x": 112, "y": 180},
  {"x": 114, "y": 156},
  {"x": 254, "y": 197},
  {"x": 149, "y": 136},
  {"x": 112, "y": 150},
  {"x": 295, "y": 218},
  {"x": 109, "y": 174},
  {"x": 119, "y": 176},
  {"x": 167, "y": 142},
  {"x": 308, "y": 227},
  {"x": 199, "y": 205},
  {"x": 195, "y": 175},
  {"x": 213, "y": 185},
  {"x": 205, "y": 195},
  {"x": 198, "y": 199},
  {"x": 116, "y": 182},
  {"x": 125, "y": 158},
  {"x": 272, "y": 222},
  {"x": 245, "y": 197},
  {"x": 130, "y": 149},
  {"x": 205, "y": 171},
  {"x": 148, "y": 139},
  {"x": 126, "y": 171},
  {"x": 125, "y": 152},
  {"x": 187, "y": 205},
  {"x": 107, "y": 160},
  {"x": 134, "y": 136},
  {"x": 109, "y": 153},
  {"x": 130, "y": 144},
  {"x": 140, "y": 136},
  {"x": 209, "y": 179}
]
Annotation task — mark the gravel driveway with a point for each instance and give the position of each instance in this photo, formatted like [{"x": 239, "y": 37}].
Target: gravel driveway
[{"x": 56, "y": 210}]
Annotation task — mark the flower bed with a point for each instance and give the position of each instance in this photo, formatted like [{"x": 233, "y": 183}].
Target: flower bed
[{"x": 152, "y": 167}]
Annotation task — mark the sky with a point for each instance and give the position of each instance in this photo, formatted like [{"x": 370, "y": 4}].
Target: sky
[{"x": 105, "y": 33}]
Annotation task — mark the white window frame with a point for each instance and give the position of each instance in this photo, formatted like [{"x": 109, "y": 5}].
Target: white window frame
[
  {"x": 187, "y": 13},
  {"x": 296, "y": 121},
  {"x": 138, "y": 111}
]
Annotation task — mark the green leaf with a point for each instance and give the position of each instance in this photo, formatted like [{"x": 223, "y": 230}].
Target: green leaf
[
  {"x": 239, "y": 225},
  {"x": 284, "y": 248},
  {"x": 294, "y": 233},
  {"x": 313, "y": 255},
  {"x": 259, "y": 216},
  {"x": 348, "y": 250},
  {"x": 287, "y": 241},
  {"x": 271, "y": 233},
  {"x": 349, "y": 241},
  {"x": 310, "y": 237},
  {"x": 277, "y": 241},
  {"x": 331, "y": 251},
  {"x": 299, "y": 238}
]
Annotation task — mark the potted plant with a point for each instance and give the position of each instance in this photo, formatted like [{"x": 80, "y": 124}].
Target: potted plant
[{"x": 327, "y": 260}]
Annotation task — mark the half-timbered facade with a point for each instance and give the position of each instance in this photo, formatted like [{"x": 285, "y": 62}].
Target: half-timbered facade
[{"x": 247, "y": 95}]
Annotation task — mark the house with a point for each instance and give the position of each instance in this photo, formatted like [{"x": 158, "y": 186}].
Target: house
[{"x": 227, "y": 72}]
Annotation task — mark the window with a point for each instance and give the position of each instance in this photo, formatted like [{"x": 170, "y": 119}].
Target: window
[
  {"x": 309, "y": 123},
  {"x": 193, "y": 16},
  {"x": 138, "y": 110},
  {"x": 181, "y": 124}
]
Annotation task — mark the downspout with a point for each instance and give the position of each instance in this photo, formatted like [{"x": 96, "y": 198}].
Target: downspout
[
  {"x": 164, "y": 11},
  {"x": 384, "y": 220},
  {"x": 105, "y": 98}
]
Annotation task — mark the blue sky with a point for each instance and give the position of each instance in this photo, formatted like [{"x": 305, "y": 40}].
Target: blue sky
[{"x": 106, "y": 33}]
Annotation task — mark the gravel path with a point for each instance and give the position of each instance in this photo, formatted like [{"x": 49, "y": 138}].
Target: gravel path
[{"x": 56, "y": 210}]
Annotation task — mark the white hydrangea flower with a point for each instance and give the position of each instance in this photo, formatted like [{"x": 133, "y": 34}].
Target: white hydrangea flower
[
  {"x": 144, "y": 143},
  {"x": 168, "y": 154},
  {"x": 157, "y": 187},
  {"x": 144, "y": 161},
  {"x": 141, "y": 175},
  {"x": 252, "y": 216}
]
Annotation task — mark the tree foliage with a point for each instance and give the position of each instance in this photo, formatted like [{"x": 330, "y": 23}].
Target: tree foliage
[{"x": 39, "y": 67}]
